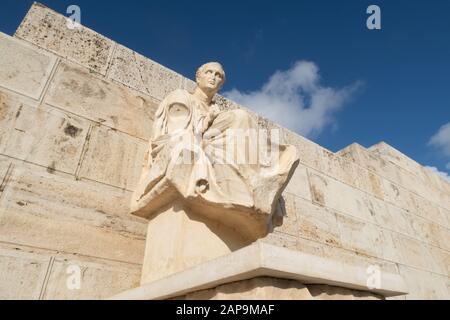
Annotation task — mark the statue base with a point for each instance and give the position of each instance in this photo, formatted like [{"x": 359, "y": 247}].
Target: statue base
[
  {"x": 179, "y": 238},
  {"x": 265, "y": 271}
]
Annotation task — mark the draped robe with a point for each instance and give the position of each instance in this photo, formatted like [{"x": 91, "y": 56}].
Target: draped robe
[{"x": 196, "y": 153}]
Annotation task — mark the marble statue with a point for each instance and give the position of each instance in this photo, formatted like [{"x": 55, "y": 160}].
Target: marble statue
[
  {"x": 211, "y": 165},
  {"x": 191, "y": 122}
]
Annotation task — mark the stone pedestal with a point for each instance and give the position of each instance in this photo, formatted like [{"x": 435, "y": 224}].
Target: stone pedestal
[
  {"x": 264, "y": 271},
  {"x": 178, "y": 237}
]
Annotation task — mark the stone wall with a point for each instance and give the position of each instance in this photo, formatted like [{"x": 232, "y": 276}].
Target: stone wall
[{"x": 76, "y": 110}]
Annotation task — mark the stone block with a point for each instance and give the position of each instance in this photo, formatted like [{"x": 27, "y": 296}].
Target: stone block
[
  {"x": 269, "y": 288},
  {"x": 288, "y": 213},
  {"x": 49, "y": 30},
  {"x": 391, "y": 154},
  {"x": 188, "y": 84},
  {"x": 223, "y": 103},
  {"x": 388, "y": 249},
  {"x": 395, "y": 219},
  {"x": 343, "y": 198},
  {"x": 99, "y": 279},
  {"x": 396, "y": 175},
  {"x": 299, "y": 183},
  {"x": 441, "y": 259},
  {"x": 414, "y": 253},
  {"x": 5, "y": 163},
  {"x": 22, "y": 274},
  {"x": 431, "y": 178},
  {"x": 429, "y": 210},
  {"x": 397, "y": 195},
  {"x": 372, "y": 162},
  {"x": 41, "y": 135},
  {"x": 76, "y": 90},
  {"x": 446, "y": 214},
  {"x": 24, "y": 69},
  {"x": 361, "y": 237},
  {"x": 264, "y": 260},
  {"x": 331, "y": 249},
  {"x": 430, "y": 232},
  {"x": 56, "y": 212},
  {"x": 424, "y": 285},
  {"x": 113, "y": 158},
  {"x": 358, "y": 258},
  {"x": 335, "y": 165},
  {"x": 432, "y": 184},
  {"x": 317, "y": 223},
  {"x": 143, "y": 74},
  {"x": 283, "y": 240}
]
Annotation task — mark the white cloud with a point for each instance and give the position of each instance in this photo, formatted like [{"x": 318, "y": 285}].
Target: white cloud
[
  {"x": 295, "y": 99},
  {"x": 441, "y": 173},
  {"x": 441, "y": 140}
]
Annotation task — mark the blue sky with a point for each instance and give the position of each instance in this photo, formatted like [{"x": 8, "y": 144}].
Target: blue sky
[{"x": 389, "y": 85}]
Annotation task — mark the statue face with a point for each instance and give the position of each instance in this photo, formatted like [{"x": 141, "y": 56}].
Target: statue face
[{"x": 210, "y": 77}]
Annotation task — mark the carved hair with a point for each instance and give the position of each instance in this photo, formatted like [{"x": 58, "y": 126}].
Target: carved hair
[{"x": 202, "y": 67}]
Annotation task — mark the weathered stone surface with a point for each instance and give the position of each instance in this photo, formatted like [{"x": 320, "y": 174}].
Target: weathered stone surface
[
  {"x": 388, "y": 153},
  {"x": 317, "y": 223},
  {"x": 398, "y": 195},
  {"x": 363, "y": 157},
  {"x": 446, "y": 214},
  {"x": 143, "y": 74},
  {"x": 287, "y": 211},
  {"x": 360, "y": 236},
  {"x": 263, "y": 288},
  {"x": 428, "y": 210},
  {"x": 299, "y": 183},
  {"x": 23, "y": 69},
  {"x": 263, "y": 260},
  {"x": 22, "y": 275},
  {"x": 48, "y": 29},
  {"x": 357, "y": 258},
  {"x": 334, "y": 165},
  {"x": 424, "y": 285},
  {"x": 179, "y": 238},
  {"x": 324, "y": 292},
  {"x": 5, "y": 163},
  {"x": 441, "y": 259},
  {"x": 99, "y": 279},
  {"x": 76, "y": 90},
  {"x": 431, "y": 178},
  {"x": 329, "y": 250},
  {"x": 395, "y": 219},
  {"x": 288, "y": 241},
  {"x": 343, "y": 198},
  {"x": 431, "y": 188},
  {"x": 431, "y": 233},
  {"x": 113, "y": 158},
  {"x": 41, "y": 135},
  {"x": 226, "y": 104},
  {"x": 188, "y": 84},
  {"x": 54, "y": 211},
  {"x": 413, "y": 253}
]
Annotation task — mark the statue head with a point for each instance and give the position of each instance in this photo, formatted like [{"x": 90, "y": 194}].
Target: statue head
[{"x": 210, "y": 77}]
